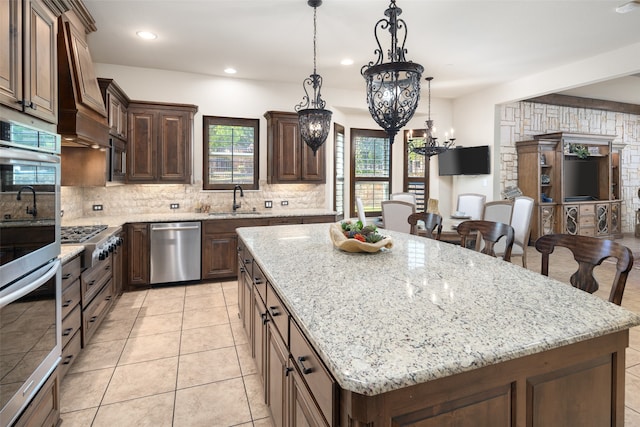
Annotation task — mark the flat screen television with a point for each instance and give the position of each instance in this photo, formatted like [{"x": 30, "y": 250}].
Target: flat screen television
[
  {"x": 465, "y": 161},
  {"x": 580, "y": 180}
]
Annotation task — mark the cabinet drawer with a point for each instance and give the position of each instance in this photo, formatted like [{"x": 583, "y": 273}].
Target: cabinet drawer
[
  {"x": 260, "y": 282},
  {"x": 70, "y": 298},
  {"x": 93, "y": 279},
  {"x": 587, "y": 209},
  {"x": 70, "y": 272},
  {"x": 587, "y": 221},
  {"x": 279, "y": 314},
  {"x": 71, "y": 324},
  {"x": 95, "y": 312},
  {"x": 319, "y": 381},
  {"x": 44, "y": 409},
  {"x": 70, "y": 353}
]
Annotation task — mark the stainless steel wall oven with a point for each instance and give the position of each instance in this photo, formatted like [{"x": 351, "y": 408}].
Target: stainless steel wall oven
[{"x": 30, "y": 318}]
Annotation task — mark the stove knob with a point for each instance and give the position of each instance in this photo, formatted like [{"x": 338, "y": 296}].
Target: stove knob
[
  {"x": 112, "y": 247},
  {"x": 102, "y": 255},
  {"x": 119, "y": 241}
]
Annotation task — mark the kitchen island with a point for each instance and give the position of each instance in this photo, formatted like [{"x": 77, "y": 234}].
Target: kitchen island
[{"x": 431, "y": 334}]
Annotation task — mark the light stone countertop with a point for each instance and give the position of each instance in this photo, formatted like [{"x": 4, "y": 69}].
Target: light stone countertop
[
  {"x": 422, "y": 310},
  {"x": 119, "y": 220},
  {"x": 67, "y": 252}
]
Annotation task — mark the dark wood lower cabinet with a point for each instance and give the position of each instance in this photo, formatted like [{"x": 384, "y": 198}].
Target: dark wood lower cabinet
[
  {"x": 303, "y": 410},
  {"x": 138, "y": 252},
  {"x": 278, "y": 375}
]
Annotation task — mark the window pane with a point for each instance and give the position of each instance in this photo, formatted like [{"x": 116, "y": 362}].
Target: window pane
[
  {"x": 372, "y": 193},
  {"x": 372, "y": 156},
  {"x": 339, "y": 170},
  {"x": 231, "y": 152}
]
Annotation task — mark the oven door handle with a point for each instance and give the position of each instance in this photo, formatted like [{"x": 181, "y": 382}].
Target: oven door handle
[{"x": 41, "y": 280}]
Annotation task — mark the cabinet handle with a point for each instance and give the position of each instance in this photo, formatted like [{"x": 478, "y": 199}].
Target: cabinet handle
[
  {"x": 67, "y": 359},
  {"x": 93, "y": 319},
  {"x": 257, "y": 280},
  {"x": 66, "y": 276},
  {"x": 67, "y": 332},
  {"x": 247, "y": 261},
  {"x": 91, "y": 283},
  {"x": 274, "y": 311},
  {"x": 67, "y": 303},
  {"x": 265, "y": 318},
  {"x": 305, "y": 370},
  {"x": 242, "y": 270},
  {"x": 287, "y": 370}
]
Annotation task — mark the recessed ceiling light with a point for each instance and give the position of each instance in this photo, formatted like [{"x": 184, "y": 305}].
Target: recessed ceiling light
[
  {"x": 230, "y": 70},
  {"x": 628, "y": 6},
  {"x": 346, "y": 61},
  {"x": 147, "y": 35}
]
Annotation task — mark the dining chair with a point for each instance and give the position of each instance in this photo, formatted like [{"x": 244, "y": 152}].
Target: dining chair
[
  {"x": 395, "y": 214},
  {"x": 432, "y": 223},
  {"x": 497, "y": 211},
  {"x": 405, "y": 197},
  {"x": 471, "y": 204},
  {"x": 521, "y": 223},
  {"x": 490, "y": 232},
  {"x": 589, "y": 252}
]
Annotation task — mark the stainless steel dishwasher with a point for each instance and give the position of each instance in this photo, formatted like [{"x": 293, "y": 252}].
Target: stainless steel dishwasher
[{"x": 175, "y": 252}]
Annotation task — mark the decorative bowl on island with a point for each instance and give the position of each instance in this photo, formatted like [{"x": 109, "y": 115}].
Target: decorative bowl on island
[{"x": 351, "y": 236}]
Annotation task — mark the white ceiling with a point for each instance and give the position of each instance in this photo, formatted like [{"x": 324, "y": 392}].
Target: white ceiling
[{"x": 467, "y": 45}]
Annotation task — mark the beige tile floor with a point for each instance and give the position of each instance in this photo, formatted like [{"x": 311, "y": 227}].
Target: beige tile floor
[{"x": 178, "y": 356}]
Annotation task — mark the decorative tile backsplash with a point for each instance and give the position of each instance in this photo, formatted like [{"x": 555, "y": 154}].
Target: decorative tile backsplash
[{"x": 152, "y": 198}]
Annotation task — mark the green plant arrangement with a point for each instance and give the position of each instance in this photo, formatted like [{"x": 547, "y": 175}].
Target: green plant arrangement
[
  {"x": 352, "y": 236},
  {"x": 580, "y": 150}
]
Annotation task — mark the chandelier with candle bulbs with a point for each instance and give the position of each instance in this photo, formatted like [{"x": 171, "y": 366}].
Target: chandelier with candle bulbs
[
  {"x": 393, "y": 88},
  {"x": 430, "y": 146},
  {"x": 313, "y": 119}
]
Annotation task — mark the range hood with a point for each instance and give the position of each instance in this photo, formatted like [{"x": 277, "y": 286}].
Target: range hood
[{"x": 82, "y": 117}]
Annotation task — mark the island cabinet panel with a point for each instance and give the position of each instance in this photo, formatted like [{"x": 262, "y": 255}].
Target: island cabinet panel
[
  {"x": 278, "y": 375},
  {"x": 311, "y": 369},
  {"x": 259, "y": 339},
  {"x": 544, "y": 389}
]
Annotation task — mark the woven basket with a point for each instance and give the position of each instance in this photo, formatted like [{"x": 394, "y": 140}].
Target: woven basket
[{"x": 343, "y": 243}]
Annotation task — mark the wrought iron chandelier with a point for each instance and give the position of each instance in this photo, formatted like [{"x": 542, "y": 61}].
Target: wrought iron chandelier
[
  {"x": 430, "y": 147},
  {"x": 393, "y": 88},
  {"x": 313, "y": 118}
]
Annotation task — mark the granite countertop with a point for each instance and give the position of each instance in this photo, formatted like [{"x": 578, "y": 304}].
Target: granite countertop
[
  {"x": 119, "y": 220},
  {"x": 422, "y": 310}
]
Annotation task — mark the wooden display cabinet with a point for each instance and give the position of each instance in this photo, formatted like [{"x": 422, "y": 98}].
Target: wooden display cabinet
[{"x": 574, "y": 180}]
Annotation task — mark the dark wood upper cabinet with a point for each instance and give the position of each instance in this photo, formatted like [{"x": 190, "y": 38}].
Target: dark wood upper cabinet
[
  {"x": 28, "y": 77},
  {"x": 160, "y": 140},
  {"x": 289, "y": 159}
]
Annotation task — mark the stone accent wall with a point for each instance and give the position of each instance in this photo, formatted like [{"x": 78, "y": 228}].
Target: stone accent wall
[
  {"x": 151, "y": 198},
  {"x": 522, "y": 120}
]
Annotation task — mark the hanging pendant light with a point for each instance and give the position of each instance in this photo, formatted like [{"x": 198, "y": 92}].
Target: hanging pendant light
[
  {"x": 314, "y": 121},
  {"x": 431, "y": 147},
  {"x": 393, "y": 88}
]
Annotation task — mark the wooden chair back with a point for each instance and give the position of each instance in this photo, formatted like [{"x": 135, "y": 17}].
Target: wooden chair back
[
  {"x": 432, "y": 223},
  {"x": 589, "y": 252},
  {"x": 490, "y": 232}
]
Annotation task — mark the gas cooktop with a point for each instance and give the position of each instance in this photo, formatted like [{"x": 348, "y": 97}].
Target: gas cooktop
[{"x": 80, "y": 233}]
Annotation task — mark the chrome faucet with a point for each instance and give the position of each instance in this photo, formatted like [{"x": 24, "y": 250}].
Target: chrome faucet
[
  {"x": 33, "y": 211},
  {"x": 237, "y": 205}
]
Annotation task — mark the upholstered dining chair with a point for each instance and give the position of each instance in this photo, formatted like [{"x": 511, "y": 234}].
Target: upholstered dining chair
[
  {"x": 490, "y": 232},
  {"x": 497, "y": 211},
  {"x": 589, "y": 252},
  {"x": 521, "y": 223},
  {"x": 432, "y": 224},
  {"x": 395, "y": 214},
  {"x": 471, "y": 204},
  {"x": 405, "y": 197}
]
